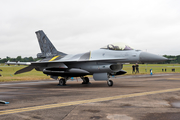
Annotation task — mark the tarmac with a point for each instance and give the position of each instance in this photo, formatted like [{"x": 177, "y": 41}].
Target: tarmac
[{"x": 132, "y": 97}]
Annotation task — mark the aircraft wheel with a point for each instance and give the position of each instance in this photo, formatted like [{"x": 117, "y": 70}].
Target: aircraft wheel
[
  {"x": 62, "y": 81},
  {"x": 86, "y": 80},
  {"x": 110, "y": 83}
]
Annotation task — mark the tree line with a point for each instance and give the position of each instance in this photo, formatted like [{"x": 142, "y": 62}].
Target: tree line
[
  {"x": 18, "y": 58},
  {"x": 175, "y": 59}
]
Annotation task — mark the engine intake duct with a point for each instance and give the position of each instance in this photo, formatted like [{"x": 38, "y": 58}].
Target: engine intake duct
[{"x": 115, "y": 67}]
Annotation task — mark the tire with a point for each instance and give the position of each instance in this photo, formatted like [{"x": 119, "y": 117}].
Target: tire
[
  {"x": 87, "y": 80},
  {"x": 110, "y": 83},
  {"x": 62, "y": 82}
]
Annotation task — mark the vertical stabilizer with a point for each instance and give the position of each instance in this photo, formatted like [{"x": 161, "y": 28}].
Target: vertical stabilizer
[{"x": 47, "y": 48}]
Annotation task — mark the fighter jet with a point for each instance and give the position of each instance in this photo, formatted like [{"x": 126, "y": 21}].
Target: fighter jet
[
  {"x": 17, "y": 63},
  {"x": 101, "y": 63}
]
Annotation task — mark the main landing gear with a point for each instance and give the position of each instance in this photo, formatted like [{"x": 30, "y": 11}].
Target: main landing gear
[
  {"x": 110, "y": 83},
  {"x": 62, "y": 82},
  {"x": 85, "y": 80}
]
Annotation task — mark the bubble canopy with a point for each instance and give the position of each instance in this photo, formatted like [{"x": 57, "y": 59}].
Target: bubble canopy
[{"x": 117, "y": 46}]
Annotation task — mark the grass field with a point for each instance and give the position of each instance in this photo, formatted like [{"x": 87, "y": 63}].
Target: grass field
[
  {"x": 8, "y": 74},
  {"x": 8, "y": 71},
  {"x": 156, "y": 68}
]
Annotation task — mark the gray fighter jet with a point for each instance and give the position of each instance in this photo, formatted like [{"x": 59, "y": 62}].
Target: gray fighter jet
[{"x": 101, "y": 63}]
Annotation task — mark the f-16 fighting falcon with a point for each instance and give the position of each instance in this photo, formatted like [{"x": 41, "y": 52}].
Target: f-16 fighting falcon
[{"x": 101, "y": 63}]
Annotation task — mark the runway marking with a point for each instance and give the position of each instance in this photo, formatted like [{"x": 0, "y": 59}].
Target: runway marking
[{"x": 27, "y": 109}]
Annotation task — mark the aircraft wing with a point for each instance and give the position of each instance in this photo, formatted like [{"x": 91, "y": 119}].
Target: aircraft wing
[{"x": 61, "y": 63}]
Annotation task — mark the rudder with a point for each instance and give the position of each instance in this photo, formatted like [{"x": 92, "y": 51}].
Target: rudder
[{"x": 47, "y": 48}]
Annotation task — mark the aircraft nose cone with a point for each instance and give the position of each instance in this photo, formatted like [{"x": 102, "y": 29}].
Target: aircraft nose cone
[{"x": 148, "y": 57}]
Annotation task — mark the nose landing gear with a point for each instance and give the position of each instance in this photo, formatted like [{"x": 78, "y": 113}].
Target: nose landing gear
[{"x": 110, "y": 83}]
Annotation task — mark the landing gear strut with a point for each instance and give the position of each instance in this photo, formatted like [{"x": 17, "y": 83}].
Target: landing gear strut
[
  {"x": 85, "y": 80},
  {"x": 110, "y": 83}
]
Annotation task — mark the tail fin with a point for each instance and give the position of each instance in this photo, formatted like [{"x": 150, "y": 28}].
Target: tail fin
[{"x": 47, "y": 48}]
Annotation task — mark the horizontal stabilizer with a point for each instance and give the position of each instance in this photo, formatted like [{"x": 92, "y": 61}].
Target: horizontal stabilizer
[{"x": 26, "y": 69}]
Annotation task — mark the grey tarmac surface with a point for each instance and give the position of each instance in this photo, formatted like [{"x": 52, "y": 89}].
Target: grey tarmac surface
[{"x": 134, "y": 97}]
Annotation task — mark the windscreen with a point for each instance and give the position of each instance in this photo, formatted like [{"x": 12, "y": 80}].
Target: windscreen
[{"x": 117, "y": 46}]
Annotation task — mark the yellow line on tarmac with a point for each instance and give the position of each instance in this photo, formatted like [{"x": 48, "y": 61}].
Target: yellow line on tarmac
[{"x": 84, "y": 101}]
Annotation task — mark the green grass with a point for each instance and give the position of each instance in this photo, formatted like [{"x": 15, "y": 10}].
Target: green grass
[
  {"x": 8, "y": 71},
  {"x": 156, "y": 68},
  {"x": 8, "y": 74}
]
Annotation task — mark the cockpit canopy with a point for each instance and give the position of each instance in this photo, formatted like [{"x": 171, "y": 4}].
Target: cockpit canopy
[{"x": 117, "y": 46}]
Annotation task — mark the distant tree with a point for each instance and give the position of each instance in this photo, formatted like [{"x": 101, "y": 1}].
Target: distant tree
[
  {"x": 18, "y": 58},
  {"x": 3, "y": 60},
  {"x": 8, "y": 58},
  {"x": 178, "y": 59},
  {"x": 25, "y": 59},
  {"x": 175, "y": 59},
  {"x": 31, "y": 59}
]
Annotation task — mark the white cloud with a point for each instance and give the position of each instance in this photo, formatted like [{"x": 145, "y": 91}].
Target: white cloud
[{"x": 79, "y": 26}]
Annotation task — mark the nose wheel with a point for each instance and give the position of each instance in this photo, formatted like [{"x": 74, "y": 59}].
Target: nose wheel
[{"x": 110, "y": 83}]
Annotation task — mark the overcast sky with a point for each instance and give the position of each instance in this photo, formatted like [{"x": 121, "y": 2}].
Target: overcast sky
[{"x": 76, "y": 26}]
